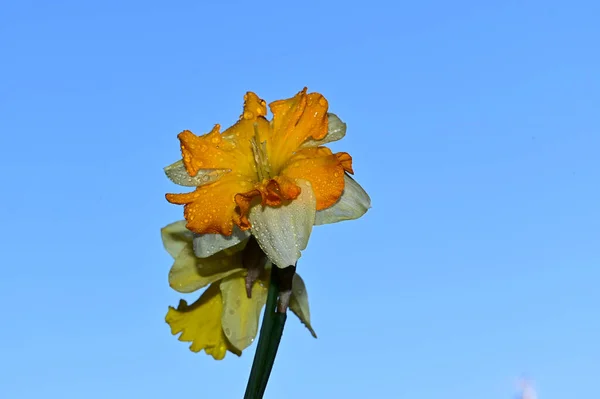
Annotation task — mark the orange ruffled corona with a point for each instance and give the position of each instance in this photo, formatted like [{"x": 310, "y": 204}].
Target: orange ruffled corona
[{"x": 263, "y": 159}]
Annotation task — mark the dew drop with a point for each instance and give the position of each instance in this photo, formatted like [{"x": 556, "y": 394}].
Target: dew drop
[
  {"x": 322, "y": 102},
  {"x": 231, "y": 311},
  {"x": 228, "y": 332}
]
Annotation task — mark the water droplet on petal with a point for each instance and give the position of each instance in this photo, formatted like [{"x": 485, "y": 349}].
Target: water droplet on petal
[{"x": 228, "y": 332}]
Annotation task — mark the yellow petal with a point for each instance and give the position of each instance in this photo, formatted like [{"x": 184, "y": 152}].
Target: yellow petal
[
  {"x": 212, "y": 208},
  {"x": 323, "y": 169},
  {"x": 175, "y": 237},
  {"x": 240, "y": 313},
  {"x": 200, "y": 324},
  {"x": 190, "y": 273},
  {"x": 296, "y": 120},
  {"x": 336, "y": 130},
  {"x": 210, "y": 151},
  {"x": 231, "y": 150}
]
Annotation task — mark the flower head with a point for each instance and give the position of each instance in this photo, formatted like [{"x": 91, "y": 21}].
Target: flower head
[
  {"x": 247, "y": 176},
  {"x": 259, "y": 187}
]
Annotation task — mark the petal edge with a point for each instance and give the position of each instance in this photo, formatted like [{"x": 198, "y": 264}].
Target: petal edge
[
  {"x": 283, "y": 232},
  {"x": 353, "y": 203}
]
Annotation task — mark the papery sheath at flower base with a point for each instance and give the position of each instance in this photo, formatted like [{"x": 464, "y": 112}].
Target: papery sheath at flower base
[{"x": 259, "y": 187}]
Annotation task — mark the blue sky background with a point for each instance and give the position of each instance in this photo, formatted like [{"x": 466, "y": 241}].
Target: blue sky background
[{"x": 473, "y": 125}]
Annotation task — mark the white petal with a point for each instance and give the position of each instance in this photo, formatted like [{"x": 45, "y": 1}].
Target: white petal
[
  {"x": 177, "y": 173},
  {"x": 190, "y": 273},
  {"x": 353, "y": 203},
  {"x": 175, "y": 237},
  {"x": 241, "y": 314},
  {"x": 299, "y": 303},
  {"x": 206, "y": 245},
  {"x": 336, "y": 131},
  {"x": 283, "y": 231}
]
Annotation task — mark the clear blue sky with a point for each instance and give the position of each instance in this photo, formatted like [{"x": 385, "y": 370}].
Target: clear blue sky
[{"x": 474, "y": 126}]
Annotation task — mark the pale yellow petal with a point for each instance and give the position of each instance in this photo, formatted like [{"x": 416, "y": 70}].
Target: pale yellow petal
[
  {"x": 240, "y": 313},
  {"x": 190, "y": 273},
  {"x": 175, "y": 237}
]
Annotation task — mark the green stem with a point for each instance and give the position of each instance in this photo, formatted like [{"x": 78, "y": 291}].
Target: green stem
[
  {"x": 276, "y": 333},
  {"x": 262, "y": 358}
]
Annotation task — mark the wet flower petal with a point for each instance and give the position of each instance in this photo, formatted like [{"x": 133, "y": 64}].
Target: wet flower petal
[
  {"x": 206, "y": 245},
  {"x": 177, "y": 173},
  {"x": 190, "y": 273},
  {"x": 175, "y": 237},
  {"x": 323, "y": 170},
  {"x": 231, "y": 150},
  {"x": 210, "y": 151},
  {"x": 283, "y": 231},
  {"x": 299, "y": 303},
  {"x": 336, "y": 131},
  {"x": 296, "y": 120},
  {"x": 240, "y": 313},
  {"x": 200, "y": 324},
  {"x": 353, "y": 203},
  {"x": 211, "y": 208}
]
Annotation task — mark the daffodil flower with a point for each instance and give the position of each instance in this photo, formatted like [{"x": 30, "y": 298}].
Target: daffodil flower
[
  {"x": 272, "y": 179},
  {"x": 224, "y": 318},
  {"x": 260, "y": 187}
]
